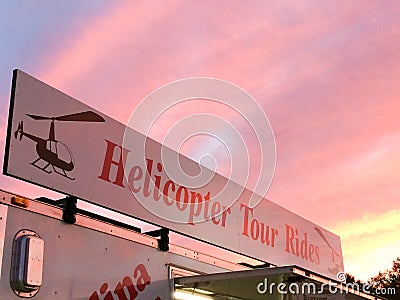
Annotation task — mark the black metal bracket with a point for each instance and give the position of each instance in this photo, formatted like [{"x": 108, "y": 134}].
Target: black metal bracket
[
  {"x": 68, "y": 205},
  {"x": 163, "y": 241},
  {"x": 261, "y": 266}
]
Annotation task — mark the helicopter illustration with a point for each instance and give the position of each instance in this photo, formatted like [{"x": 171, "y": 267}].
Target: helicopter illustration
[
  {"x": 54, "y": 153},
  {"x": 335, "y": 255}
]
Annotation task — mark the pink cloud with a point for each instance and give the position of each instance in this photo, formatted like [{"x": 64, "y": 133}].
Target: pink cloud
[{"x": 298, "y": 63}]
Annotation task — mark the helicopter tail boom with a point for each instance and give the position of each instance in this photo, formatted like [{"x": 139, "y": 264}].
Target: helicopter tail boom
[{"x": 19, "y": 133}]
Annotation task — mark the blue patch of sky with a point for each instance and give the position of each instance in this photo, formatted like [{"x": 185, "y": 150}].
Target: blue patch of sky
[{"x": 29, "y": 28}]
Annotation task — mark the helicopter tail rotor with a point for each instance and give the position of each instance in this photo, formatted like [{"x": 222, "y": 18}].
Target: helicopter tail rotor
[{"x": 19, "y": 130}]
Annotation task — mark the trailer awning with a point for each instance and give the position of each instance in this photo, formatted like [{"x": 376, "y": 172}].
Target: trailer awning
[{"x": 280, "y": 283}]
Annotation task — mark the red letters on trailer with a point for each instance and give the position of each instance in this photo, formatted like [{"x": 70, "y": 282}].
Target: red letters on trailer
[{"x": 141, "y": 279}]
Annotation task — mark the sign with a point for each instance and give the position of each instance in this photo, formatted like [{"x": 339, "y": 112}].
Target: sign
[{"x": 60, "y": 143}]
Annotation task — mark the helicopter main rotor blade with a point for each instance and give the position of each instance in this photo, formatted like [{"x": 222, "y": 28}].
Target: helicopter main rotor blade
[
  {"x": 38, "y": 117},
  {"x": 87, "y": 116}
]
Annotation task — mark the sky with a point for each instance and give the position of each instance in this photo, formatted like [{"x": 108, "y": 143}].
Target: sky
[{"x": 325, "y": 73}]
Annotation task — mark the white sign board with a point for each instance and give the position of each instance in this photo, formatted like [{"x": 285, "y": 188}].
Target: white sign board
[{"x": 60, "y": 143}]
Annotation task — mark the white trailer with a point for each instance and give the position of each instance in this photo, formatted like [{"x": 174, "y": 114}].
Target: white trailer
[
  {"x": 44, "y": 256},
  {"x": 90, "y": 259}
]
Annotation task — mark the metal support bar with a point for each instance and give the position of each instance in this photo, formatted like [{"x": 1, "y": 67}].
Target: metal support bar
[
  {"x": 163, "y": 241},
  {"x": 62, "y": 203}
]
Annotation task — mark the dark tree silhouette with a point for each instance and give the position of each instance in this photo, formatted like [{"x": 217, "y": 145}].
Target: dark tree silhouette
[
  {"x": 387, "y": 284},
  {"x": 351, "y": 279}
]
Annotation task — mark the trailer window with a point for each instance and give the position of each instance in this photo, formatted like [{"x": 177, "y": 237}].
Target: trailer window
[{"x": 178, "y": 271}]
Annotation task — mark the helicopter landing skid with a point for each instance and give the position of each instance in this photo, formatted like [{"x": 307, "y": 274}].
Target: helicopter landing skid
[
  {"x": 63, "y": 173},
  {"x": 41, "y": 168},
  {"x": 44, "y": 169}
]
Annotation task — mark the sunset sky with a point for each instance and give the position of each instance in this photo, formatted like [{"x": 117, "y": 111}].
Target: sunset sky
[{"x": 327, "y": 75}]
